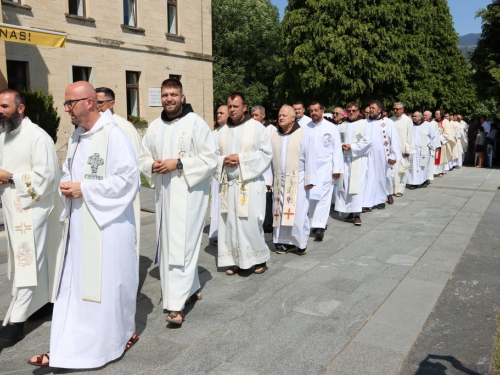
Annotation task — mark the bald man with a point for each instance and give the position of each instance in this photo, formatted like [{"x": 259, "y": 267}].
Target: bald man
[{"x": 93, "y": 321}]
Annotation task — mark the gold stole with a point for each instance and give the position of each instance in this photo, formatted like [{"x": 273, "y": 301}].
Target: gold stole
[
  {"x": 247, "y": 141},
  {"x": 92, "y": 234},
  {"x": 291, "y": 178},
  {"x": 359, "y": 134}
]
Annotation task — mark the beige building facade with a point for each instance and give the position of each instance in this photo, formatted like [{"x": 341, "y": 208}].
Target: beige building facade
[{"x": 130, "y": 46}]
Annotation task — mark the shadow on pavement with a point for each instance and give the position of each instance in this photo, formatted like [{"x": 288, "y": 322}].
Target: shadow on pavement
[{"x": 427, "y": 367}]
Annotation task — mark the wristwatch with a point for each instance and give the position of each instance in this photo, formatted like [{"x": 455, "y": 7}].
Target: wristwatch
[
  {"x": 11, "y": 179},
  {"x": 180, "y": 167}
]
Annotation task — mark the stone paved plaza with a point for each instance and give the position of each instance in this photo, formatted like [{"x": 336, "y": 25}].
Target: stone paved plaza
[{"x": 414, "y": 290}]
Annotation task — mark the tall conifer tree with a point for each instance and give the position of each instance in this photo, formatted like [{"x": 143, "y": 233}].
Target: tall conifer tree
[{"x": 342, "y": 50}]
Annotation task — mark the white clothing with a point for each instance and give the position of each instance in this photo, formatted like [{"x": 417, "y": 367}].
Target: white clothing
[
  {"x": 344, "y": 201},
  {"x": 303, "y": 121},
  {"x": 241, "y": 239},
  {"x": 420, "y": 160},
  {"x": 181, "y": 200},
  {"x": 437, "y": 144},
  {"x": 214, "y": 201},
  {"x": 404, "y": 127},
  {"x": 298, "y": 233},
  {"x": 329, "y": 161},
  {"x": 486, "y": 125},
  {"x": 132, "y": 134},
  {"x": 268, "y": 174},
  {"x": 87, "y": 334},
  {"x": 385, "y": 147},
  {"x": 29, "y": 154}
]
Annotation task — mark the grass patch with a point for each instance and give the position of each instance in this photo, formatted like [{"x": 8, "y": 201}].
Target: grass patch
[
  {"x": 495, "y": 366},
  {"x": 144, "y": 182}
]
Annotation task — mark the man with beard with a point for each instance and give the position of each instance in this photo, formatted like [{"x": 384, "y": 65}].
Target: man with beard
[
  {"x": 382, "y": 157},
  {"x": 356, "y": 144},
  {"x": 329, "y": 165},
  {"x": 244, "y": 154},
  {"x": 294, "y": 165},
  {"x": 179, "y": 157},
  {"x": 404, "y": 127},
  {"x": 437, "y": 145},
  {"x": 300, "y": 116},
  {"x": 222, "y": 116},
  {"x": 29, "y": 181},
  {"x": 425, "y": 140}
]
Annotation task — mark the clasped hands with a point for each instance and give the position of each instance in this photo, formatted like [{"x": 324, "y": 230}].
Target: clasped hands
[
  {"x": 232, "y": 160},
  {"x": 71, "y": 190},
  {"x": 164, "y": 166}
]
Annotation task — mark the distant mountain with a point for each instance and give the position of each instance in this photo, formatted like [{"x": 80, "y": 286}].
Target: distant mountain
[{"x": 468, "y": 42}]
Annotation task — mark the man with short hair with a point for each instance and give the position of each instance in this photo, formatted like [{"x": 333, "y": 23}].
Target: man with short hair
[
  {"x": 29, "y": 180},
  {"x": 258, "y": 113},
  {"x": 384, "y": 154},
  {"x": 93, "y": 322},
  {"x": 244, "y": 154},
  {"x": 356, "y": 144},
  {"x": 447, "y": 140},
  {"x": 366, "y": 114},
  {"x": 338, "y": 115},
  {"x": 404, "y": 127},
  {"x": 329, "y": 165},
  {"x": 437, "y": 145},
  {"x": 485, "y": 124},
  {"x": 425, "y": 140},
  {"x": 178, "y": 159},
  {"x": 294, "y": 165},
  {"x": 106, "y": 102},
  {"x": 222, "y": 116},
  {"x": 300, "y": 116}
]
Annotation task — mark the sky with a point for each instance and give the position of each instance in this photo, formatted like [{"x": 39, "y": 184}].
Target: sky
[{"x": 463, "y": 12}]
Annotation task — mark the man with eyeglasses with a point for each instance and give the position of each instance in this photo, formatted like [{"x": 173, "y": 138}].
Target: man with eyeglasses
[
  {"x": 384, "y": 154},
  {"x": 425, "y": 140},
  {"x": 329, "y": 166},
  {"x": 106, "y": 102},
  {"x": 29, "y": 181},
  {"x": 356, "y": 145},
  {"x": 338, "y": 116},
  {"x": 404, "y": 127},
  {"x": 93, "y": 321},
  {"x": 300, "y": 116},
  {"x": 367, "y": 113}
]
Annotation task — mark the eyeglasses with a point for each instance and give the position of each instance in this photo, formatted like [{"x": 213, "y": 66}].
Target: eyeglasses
[
  {"x": 337, "y": 113},
  {"x": 352, "y": 110},
  {"x": 101, "y": 102},
  {"x": 69, "y": 104}
]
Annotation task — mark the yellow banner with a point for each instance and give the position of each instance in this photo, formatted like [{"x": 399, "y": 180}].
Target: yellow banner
[{"x": 19, "y": 34}]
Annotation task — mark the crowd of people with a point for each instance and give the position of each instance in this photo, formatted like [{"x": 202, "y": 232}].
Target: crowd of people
[{"x": 74, "y": 239}]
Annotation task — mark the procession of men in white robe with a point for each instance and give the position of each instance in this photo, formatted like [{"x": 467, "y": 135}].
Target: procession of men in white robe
[{"x": 84, "y": 254}]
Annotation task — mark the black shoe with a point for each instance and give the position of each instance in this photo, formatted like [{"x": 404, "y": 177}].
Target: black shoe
[
  {"x": 350, "y": 217},
  {"x": 12, "y": 332},
  {"x": 380, "y": 206},
  {"x": 302, "y": 251},
  {"x": 320, "y": 233},
  {"x": 314, "y": 230},
  {"x": 366, "y": 209},
  {"x": 283, "y": 249},
  {"x": 412, "y": 187}
]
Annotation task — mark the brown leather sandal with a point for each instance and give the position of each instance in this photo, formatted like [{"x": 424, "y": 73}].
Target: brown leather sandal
[
  {"x": 39, "y": 360},
  {"x": 195, "y": 297},
  {"x": 233, "y": 270},
  {"x": 175, "y": 317},
  {"x": 131, "y": 342}
]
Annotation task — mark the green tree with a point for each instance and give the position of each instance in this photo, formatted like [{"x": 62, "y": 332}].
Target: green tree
[
  {"x": 486, "y": 57},
  {"x": 246, "y": 40},
  {"x": 40, "y": 110},
  {"x": 342, "y": 50}
]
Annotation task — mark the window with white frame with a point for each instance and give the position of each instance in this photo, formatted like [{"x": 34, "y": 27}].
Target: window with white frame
[{"x": 132, "y": 85}]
